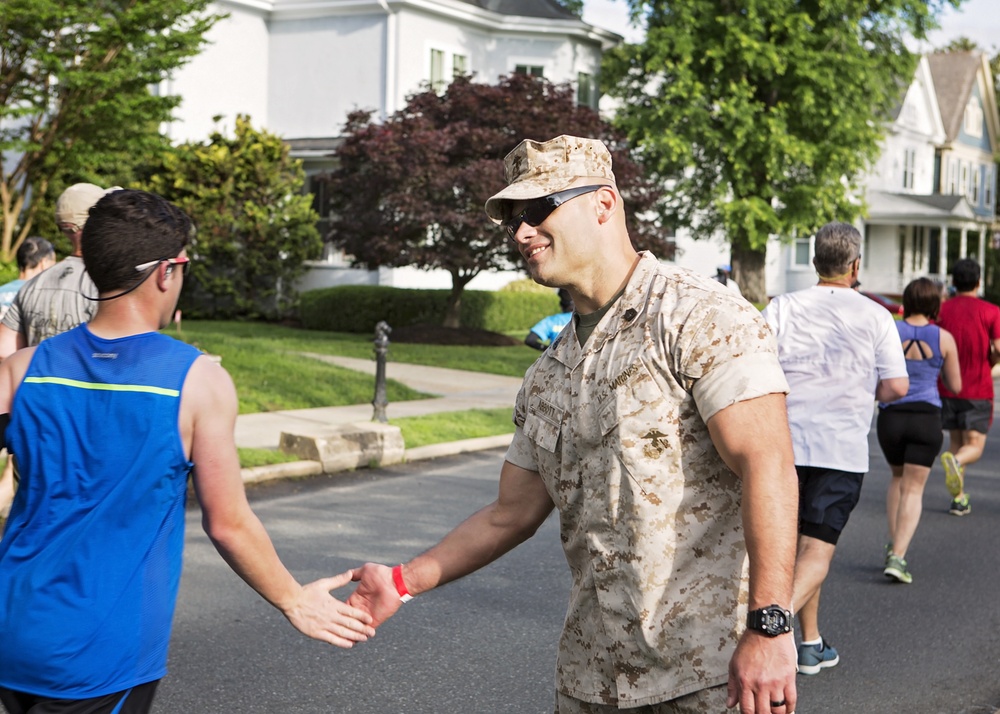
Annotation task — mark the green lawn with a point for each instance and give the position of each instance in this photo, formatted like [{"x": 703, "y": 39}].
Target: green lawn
[
  {"x": 214, "y": 336},
  {"x": 270, "y": 374},
  {"x": 454, "y": 426}
]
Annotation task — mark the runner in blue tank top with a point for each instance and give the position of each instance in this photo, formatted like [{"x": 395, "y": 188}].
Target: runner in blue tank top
[
  {"x": 106, "y": 421},
  {"x": 909, "y": 430}
]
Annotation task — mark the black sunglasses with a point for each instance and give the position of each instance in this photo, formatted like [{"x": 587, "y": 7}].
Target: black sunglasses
[{"x": 538, "y": 209}]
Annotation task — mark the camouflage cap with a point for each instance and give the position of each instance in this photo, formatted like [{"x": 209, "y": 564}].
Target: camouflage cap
[{"x": 537, "y": 168}]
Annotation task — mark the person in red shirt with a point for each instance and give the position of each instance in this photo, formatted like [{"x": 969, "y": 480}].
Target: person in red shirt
[{"x": 968, "y": 414}]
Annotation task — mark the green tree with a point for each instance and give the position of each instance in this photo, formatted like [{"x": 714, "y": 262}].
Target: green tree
[
  {"x": 762, "y": 115},
  {"x": 410, "y": 190},
  {"x": 255, "y": 227},
  {"x": 574, "y": 6},
  {"x": 75, "y": 101}
]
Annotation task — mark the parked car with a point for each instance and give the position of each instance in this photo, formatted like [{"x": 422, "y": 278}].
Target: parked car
[{"x": 893, "y": 306}]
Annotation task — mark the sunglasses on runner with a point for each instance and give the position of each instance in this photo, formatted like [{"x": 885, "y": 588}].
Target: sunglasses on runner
[
  {"x": 538, "y": 209},
  {"x": 185, "y": 264}
]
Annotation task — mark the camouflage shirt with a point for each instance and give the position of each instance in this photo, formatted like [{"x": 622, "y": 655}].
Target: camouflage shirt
[{"x": 649, "y": 513}]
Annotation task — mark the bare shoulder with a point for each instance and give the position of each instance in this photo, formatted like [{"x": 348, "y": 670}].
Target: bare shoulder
[
  {"x": 947, "y": 341},
  {"x": 209, "y": 386}
]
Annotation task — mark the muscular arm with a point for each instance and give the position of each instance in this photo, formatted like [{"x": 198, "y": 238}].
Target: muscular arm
[
  {"x": 521, "y": 507},
  {"x": 753, "y": 439},
  {"x": 208, "y": 417},
  {"x": 889, "y": 390}
]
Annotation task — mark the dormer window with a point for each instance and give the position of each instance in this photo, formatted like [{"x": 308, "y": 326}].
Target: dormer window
[{"x": 973, "y": 122}]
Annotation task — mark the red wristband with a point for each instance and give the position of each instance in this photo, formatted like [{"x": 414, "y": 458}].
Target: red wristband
[{"x": 397, "y": 579}]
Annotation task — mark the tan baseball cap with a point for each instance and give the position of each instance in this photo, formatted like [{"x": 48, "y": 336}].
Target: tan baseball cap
[
  {"x": 537, "y": 168},
  {"x": 74, "y": 204}
]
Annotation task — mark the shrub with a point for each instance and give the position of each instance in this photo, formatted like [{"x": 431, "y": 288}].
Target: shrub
[{"x": 358, "y": 308}]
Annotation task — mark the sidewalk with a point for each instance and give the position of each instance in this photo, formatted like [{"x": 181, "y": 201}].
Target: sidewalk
[{"x": 459, "y": 390}]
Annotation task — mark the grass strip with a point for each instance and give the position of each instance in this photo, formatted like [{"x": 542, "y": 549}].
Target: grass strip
[
  {"x": 454, "y": 426},
  {"x": 214, "y": 336}
]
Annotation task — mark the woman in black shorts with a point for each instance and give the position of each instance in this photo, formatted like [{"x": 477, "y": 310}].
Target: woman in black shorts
[{"x": 909, "y": 430}]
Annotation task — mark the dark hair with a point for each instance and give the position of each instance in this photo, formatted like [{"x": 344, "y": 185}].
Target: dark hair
[
  {"x": 127, "y": 228},
  {"x": 922, "y": 297},
  {"x": 33, "y": 251},
  {"x": 965, "y": 275},
  {"x": 837, "y": 245}
]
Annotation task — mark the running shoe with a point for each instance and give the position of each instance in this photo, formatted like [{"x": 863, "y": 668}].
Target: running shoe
[
  {"x": 888, "y": 552},
  {"x": 953, "y": 478},
  {"x": 960, "y": 506},
  {"x": 813, "y": 658},
  {"x": 895, "y": 568}
]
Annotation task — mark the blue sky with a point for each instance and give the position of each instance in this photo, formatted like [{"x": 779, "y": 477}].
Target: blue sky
[{"x": 976, "y": 19}]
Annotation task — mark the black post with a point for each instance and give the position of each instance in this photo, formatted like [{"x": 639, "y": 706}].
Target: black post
[{"x": 380, "y": 401}]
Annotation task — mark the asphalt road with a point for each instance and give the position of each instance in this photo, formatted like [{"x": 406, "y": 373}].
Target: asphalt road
[{"x": 487, "y": 643}]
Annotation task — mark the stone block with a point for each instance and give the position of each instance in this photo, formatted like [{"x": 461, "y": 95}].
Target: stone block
[{"x": 347, "y": 446}]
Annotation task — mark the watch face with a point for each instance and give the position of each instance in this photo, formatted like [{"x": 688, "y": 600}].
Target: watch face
[{"x": 774, "y": 622}]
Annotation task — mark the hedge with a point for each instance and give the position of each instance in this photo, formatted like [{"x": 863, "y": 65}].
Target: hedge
[{"x": 358, "y": 308}]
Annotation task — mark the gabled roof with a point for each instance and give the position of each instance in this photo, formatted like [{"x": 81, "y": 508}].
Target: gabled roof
[
  {"x": 954, "y": 75},
  {"x": 884, "y": 207},
  {"x": 547, "y": 9}
]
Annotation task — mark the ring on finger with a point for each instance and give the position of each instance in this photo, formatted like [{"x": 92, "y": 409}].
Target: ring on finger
[{"x": 775, "y": 705}]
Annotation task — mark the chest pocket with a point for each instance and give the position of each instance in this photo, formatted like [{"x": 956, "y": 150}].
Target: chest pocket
[{"x": 543, "y": 424}]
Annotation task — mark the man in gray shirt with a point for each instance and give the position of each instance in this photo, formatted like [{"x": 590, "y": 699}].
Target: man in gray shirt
[{"x": 57, "y": 299}]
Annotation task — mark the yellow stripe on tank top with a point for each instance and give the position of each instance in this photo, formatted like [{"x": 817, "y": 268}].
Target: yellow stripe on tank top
[{"x": 104, "y": 387}]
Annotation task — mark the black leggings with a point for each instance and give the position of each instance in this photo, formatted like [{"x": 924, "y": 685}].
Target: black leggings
[{"x": 910, "y": 433}]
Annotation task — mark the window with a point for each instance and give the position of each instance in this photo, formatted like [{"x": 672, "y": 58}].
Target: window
[
  {"x": 437, "y": 70},
  {"x": 802, "y": 252},
  {"x": 909, "y": 167},
  {"x": 533, "y": 70},
  {"x": 459, "y": 65},
  {"x": 319, "y": 187},
  {"x": 977, "y": 177},
  {"x": 963, "y": 187},
  {"x": 988, "y": 188},
  {"x": 584, "y": 89},
  {"x": 952, "y": 178},
  {"x": 973, "y": 118}
]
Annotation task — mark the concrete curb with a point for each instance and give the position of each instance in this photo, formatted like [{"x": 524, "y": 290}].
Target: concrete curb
[
  {"x": 290, "y": 469},
  {"x": 298, "y": 469},
  {"x": 433, "y": 451}
]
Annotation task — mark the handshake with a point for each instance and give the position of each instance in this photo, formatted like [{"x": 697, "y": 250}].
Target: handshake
[{"x": 379, "y": 594}]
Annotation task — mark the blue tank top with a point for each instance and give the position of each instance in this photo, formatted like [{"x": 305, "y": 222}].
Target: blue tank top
[
  {"x": 91, "y": 557},
  {"x": 923, "y": 372}
]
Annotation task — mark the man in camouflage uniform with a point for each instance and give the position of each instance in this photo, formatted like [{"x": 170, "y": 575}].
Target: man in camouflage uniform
[{"x": 656, "y": 425}]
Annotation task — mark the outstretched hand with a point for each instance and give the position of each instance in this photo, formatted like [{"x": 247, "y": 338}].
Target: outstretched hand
[
  {"x": 319, "y": 615},
  {"x": 376, "y": 594}
]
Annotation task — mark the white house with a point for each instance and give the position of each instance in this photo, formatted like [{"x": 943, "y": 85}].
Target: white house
[
  {"x": 298, "y": 67},
  {"x": 931, "y": 196}
]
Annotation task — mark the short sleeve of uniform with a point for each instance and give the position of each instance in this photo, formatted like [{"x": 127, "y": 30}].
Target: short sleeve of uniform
[
  {"x": 730, "y": 356},
  {"x": 521, "y": 451}
]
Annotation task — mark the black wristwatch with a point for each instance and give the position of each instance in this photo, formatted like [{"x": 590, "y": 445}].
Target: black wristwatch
[{"x": 772, "y": 620}]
